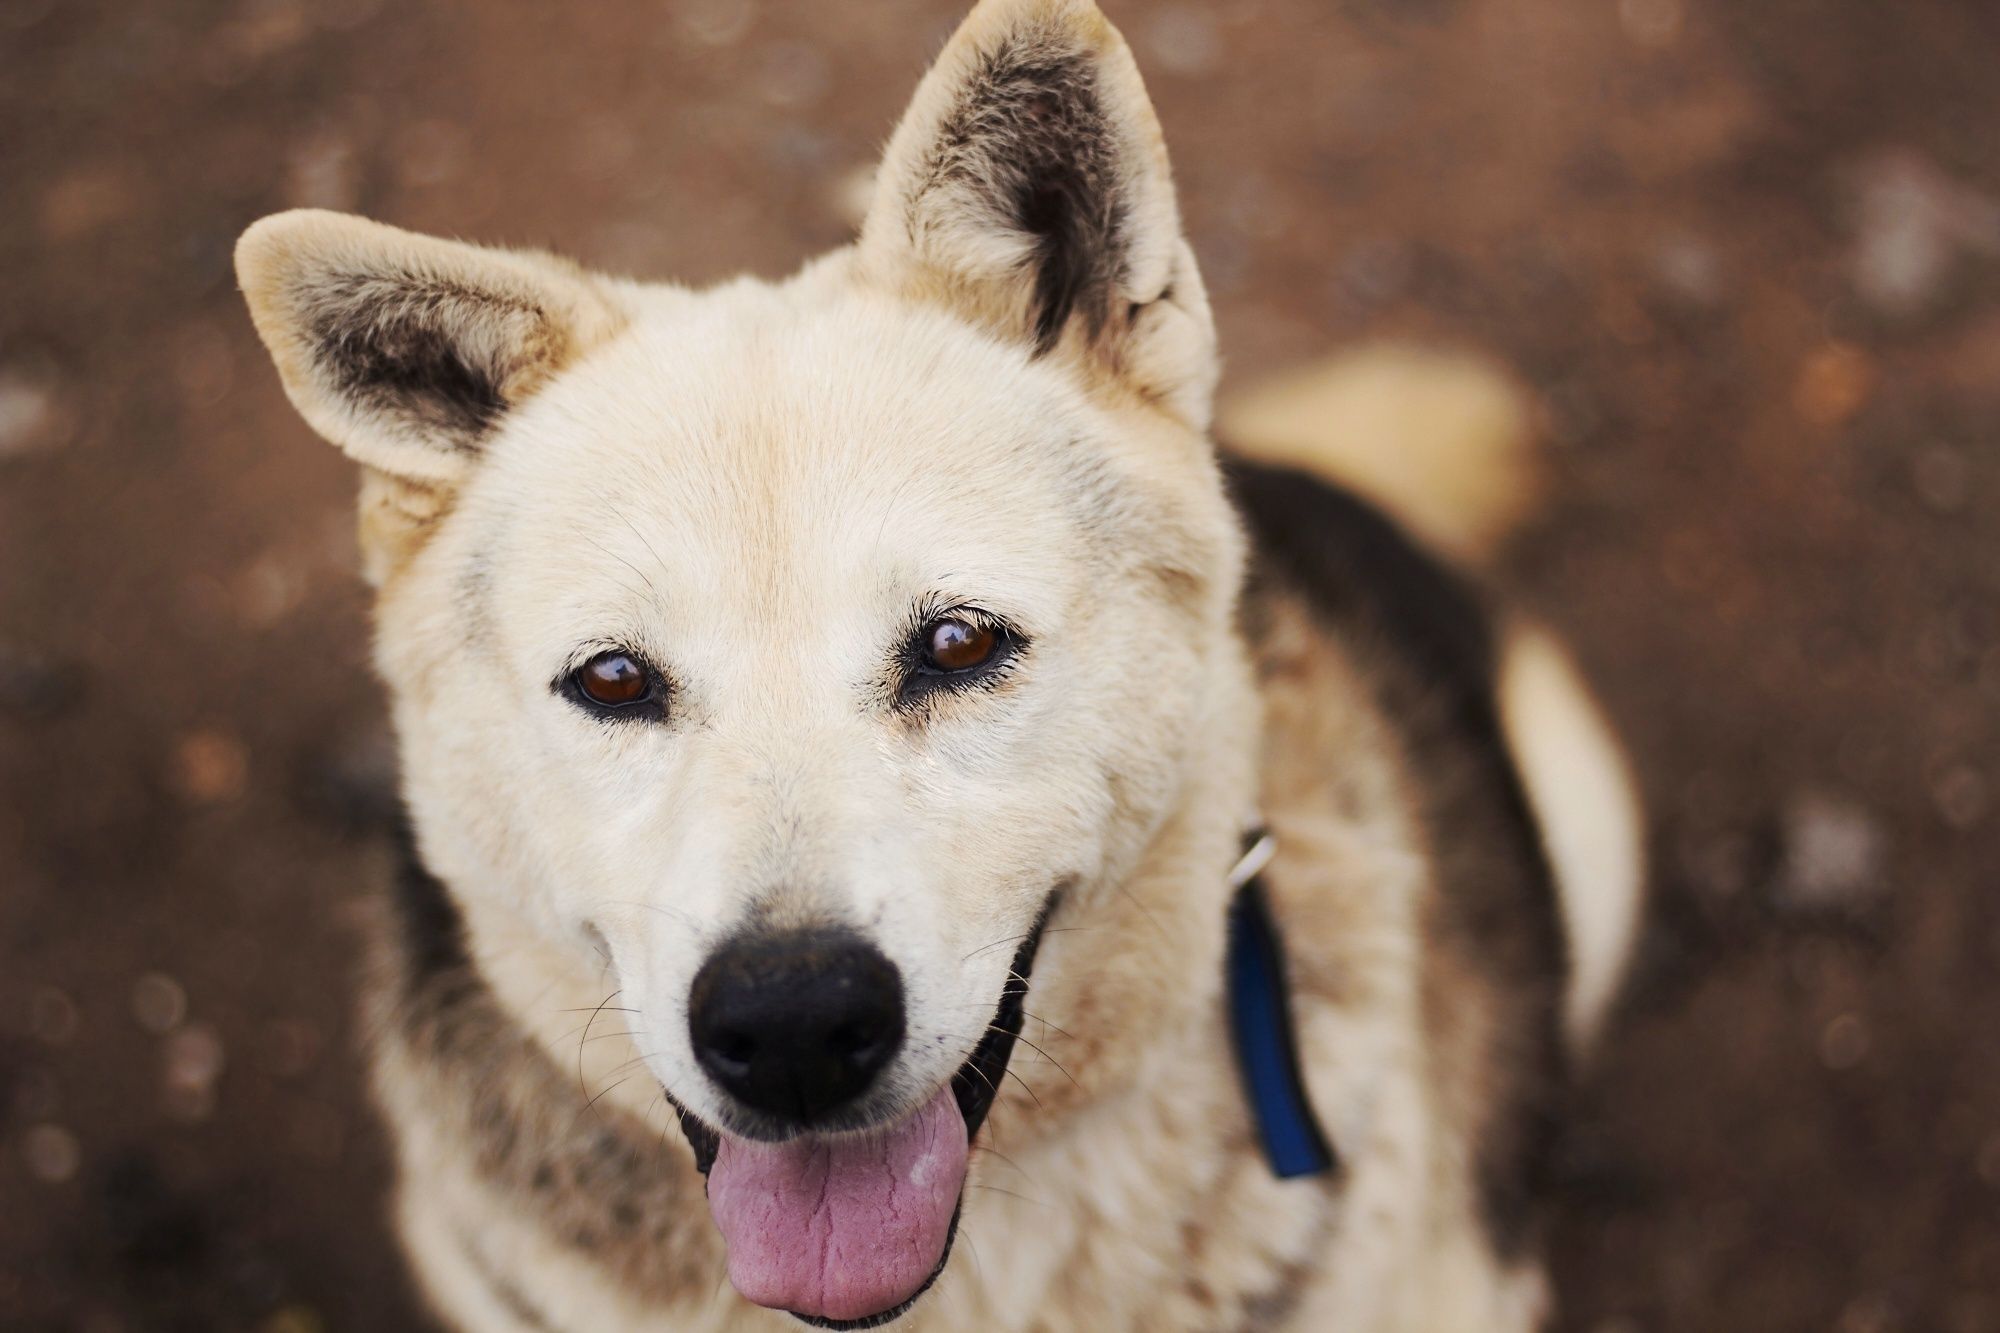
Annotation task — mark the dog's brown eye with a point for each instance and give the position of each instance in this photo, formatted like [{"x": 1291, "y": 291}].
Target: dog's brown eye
[
  {"x": 955, "y": 645},
  {"x": 613, "y": 680}
]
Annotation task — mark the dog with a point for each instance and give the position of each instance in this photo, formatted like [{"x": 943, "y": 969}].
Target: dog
[{"x": 903, "y": 827}]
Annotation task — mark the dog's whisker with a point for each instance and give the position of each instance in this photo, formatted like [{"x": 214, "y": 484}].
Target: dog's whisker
[
  {"x": 966, "y": 1056},
  {"x": 669, "y": 1122},
  {"x": 644, "y": 540},
  {"x": 643, "y": 576},
  {"x": 607, "y": 1036},
  {"x": 1151, "y": 919},
  {"x": 987, "y": 948},
  {"x": 637, "y": 1059},
  {"x": 1050, "y": 1058},
  {"x": 1016, "y": 939},
  {"x": 1003, "y": 1158},
  {"x": 982, "y": 1075},
  {"x": 585, "y": 1041},
  {"x": 722, "y": 1289},
  {"x": 591, "y": 1105},
  {"x": 1051, "y": 1026},
  {"x": 1010, "y": 1072},
  {"x": 671, "y": 913},
  {"x": 582, "y": 1084},
  {"x": 579, "y": 1028},
  {"x": 973, "y": 1250}
]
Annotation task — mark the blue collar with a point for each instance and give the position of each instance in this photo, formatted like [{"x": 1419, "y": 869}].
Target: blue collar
[{"x": 1260, "y": 1024}]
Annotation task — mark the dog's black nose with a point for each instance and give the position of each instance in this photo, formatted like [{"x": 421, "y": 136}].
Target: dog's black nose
[{"x": 796, "y": 1024}]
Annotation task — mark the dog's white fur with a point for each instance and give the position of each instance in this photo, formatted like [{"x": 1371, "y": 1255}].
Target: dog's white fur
[
  {"x": 1587, "y": 803},
  {"x": 754, "y": 486}
]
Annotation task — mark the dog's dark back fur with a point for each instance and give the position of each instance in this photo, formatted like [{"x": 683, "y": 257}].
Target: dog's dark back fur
[{"x": 1425, "y": 638}]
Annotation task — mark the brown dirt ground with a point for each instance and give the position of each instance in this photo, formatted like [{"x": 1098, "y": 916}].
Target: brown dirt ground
[{"x": 1744, "y": 252}]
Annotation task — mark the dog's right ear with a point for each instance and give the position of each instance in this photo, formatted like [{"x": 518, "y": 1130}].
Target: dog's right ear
[{"x": 407, "y": 351}]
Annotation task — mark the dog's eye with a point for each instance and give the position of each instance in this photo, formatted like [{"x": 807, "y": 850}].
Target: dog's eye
[
  {"x": 956, "y": 645},
  {"x": 961, "y": 649},
  {"x": 613, "y": 680}
]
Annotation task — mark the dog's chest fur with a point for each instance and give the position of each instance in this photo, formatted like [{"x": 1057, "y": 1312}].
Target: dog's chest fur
[{"x": 1425, "y": 958}]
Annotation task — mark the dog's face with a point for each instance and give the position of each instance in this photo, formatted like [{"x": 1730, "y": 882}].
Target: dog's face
[{"x": 800, "y": 647}]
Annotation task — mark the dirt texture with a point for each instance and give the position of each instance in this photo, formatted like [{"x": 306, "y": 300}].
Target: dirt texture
[{"x": 1743, "y": 254}]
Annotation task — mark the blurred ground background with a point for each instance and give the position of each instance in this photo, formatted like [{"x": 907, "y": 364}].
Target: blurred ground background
[{"x": 1744, "y": 253}]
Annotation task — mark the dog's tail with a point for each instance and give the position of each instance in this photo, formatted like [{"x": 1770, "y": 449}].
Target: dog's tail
[
  {"x": 1444, "y": 442},
  {"x": 1586, "y": 802}
]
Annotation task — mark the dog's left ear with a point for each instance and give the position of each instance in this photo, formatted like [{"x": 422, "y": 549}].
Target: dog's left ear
[{"x": 1028, "y": 188}]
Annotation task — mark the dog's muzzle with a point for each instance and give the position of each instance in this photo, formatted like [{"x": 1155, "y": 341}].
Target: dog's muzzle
[{"x": 841, "y": 1229}]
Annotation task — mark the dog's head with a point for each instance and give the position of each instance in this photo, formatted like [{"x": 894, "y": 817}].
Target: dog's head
[{"x": 803, "y": 646}]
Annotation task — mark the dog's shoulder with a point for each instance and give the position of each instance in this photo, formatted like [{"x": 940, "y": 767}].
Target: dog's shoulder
[{"x": 1375, "y": 657}]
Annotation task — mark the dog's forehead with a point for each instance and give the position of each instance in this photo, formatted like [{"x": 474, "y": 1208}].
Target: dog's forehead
[{"x": 759, "y": 445}]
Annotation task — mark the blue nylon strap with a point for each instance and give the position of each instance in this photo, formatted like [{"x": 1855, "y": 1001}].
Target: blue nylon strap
[{"x": 1260, "y": 1023}]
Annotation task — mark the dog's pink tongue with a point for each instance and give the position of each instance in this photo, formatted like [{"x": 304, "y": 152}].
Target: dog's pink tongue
[{"x": 840, "y": 1228}]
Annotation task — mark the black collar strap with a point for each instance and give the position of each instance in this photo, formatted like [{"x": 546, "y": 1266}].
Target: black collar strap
[{"x": 1260, "y": 1024}]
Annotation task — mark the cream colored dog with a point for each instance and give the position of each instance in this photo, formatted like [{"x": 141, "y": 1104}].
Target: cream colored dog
[{"x": 830, "y": 712}]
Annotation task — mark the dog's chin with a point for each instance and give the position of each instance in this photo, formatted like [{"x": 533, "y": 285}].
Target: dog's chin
[{"x": 757, "y": 1182}]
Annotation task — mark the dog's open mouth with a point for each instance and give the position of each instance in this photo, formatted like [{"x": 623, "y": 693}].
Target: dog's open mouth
[{"x": 848, "y": 1231}]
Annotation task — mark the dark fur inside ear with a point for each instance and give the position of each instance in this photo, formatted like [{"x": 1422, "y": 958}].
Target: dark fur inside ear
[
  {"x": 436, "y": 354},
  {"x": 1029, "y": 137}
]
